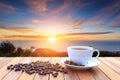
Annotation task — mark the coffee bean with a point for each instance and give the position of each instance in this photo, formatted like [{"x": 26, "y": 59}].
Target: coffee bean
[
  {"x": 12, "y": 67},
  {"x": 40, "y": 67},
  {"x": 8, "y": 67},
  {"x": 60, "y": 70},
  {"x": 17, "y": 69},
  {"x": 41, "y": 72},
  {"x": 57, "y": 64},
  {"x": 55, "y": 74},
  {"x": 65, "y": 71},
  {"x": 23, "y": 70},
  {"x": 30, "y": 72}
]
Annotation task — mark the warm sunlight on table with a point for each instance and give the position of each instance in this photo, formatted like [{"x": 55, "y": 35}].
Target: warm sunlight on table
[{"x": 108, "y": 69}]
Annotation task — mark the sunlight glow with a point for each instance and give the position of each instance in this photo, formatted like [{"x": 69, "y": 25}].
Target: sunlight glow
[{"x": 52, "y": 39}]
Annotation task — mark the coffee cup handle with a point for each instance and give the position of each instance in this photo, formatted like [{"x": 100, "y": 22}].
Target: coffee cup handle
[{"x": 98, "y": 53}]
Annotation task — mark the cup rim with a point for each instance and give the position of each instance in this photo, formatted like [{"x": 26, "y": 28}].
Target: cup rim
[{"x": 86, "y": 47}]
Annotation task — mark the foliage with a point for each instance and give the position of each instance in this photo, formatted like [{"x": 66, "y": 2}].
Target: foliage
[
  {"x": 24, "y": 52},
  {"x": 6, "y": 48},
  {"x": 110, "y": 54},
  {"x": 19, "y": 51}
]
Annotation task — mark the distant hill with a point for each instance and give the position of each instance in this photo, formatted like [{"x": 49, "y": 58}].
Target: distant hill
[
  {"x": 44, "y": 52},
  {"x": 48, "y": 53}
]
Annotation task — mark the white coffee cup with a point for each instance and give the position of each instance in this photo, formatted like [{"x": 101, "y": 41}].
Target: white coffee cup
[{"x": 81, "y": 54}]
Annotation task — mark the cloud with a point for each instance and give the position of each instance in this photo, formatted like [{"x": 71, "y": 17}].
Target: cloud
[
  {"x": 71, "y": 5},
  {"x": 102, "y": 15},
  {"x": 45, "y": 7},
  {"x": 89, "y": 33},
  {"x": 115, "y": 26},
  {"x": 37, "y": 21},
  {"x": 105, "y": 13},
  {"x": 83, "y": 3},
  {"x": 6, "y": 8},
  {"x": 5, "y": 21},
  {"x": 3, "y": 27},
  {"x": 15, "y": 24},
  {"x": 115, "y": 23},
  {"x": 16, "y": 29},
  {"x": 37, "y": 5},
  {"x": 24, "y": 36},
  {"x": 64, "y": 6},
  {"x": 112, "y": 25},
  {"x": 84, "y": 33},
  {"x": 60, "y": 11},
  {"x": 1, "y": 36},
  {"x": 110, "y": 10},
  {"x": 118, "y": 17},
  {"x": 62, "y": 36},
  {"x": 75, "y": 23}
]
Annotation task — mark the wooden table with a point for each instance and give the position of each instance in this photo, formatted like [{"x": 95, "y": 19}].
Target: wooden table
[{"x": 109, "y": 69}]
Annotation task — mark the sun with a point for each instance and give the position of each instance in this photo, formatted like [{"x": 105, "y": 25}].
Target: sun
[{"x": 52, "y": 39}]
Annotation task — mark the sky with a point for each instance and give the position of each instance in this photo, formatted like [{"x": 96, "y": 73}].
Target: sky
[{"x": 62, "y": 19}]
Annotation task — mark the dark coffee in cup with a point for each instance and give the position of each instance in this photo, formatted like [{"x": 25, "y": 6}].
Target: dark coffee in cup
[{"x": 79, "y": 49}]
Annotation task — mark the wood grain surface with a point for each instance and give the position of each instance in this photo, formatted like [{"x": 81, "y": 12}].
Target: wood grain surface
[{"x": 108, "y": 69}]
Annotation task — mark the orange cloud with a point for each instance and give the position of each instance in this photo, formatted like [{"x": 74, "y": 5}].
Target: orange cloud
[
  {"x": 37, "y": 21},
  {"x": 17, "y": 29},
  {"x": 90, "y": 23},
  {"x": 38, "y": 5},
  {"x": 69, "y": 36},
  {"x": 24, "y": 37},
  {"x": 77, "y": 22}
]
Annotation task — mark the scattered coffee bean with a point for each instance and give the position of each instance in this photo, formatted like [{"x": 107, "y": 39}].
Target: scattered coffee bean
[
  {"x": 23, "y": 70},
  {"x": 55, "y": 74},
  {"x": 8, "y": 67},
  {"x": 40, "y": 67},
  {"x": 65, "y": 71},
  {"x": 12, "y": 67},
  {"x": 17, "y": 69}
]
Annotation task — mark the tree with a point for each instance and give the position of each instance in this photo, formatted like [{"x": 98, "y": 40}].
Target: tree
[
  {"x": 19, "y": 51},
  {"x": 6, "y": 48},
  {"x": 26, "y": 53}
]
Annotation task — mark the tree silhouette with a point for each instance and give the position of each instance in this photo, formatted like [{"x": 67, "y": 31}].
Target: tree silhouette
[
  {"x": 19, "y": 51},
  {"x": 6, "y": 48}
]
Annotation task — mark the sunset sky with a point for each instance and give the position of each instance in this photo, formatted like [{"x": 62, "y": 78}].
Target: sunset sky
[{"x": 63, "y": 19}]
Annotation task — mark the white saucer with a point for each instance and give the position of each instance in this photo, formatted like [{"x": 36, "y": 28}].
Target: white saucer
[{"x": 92, "y": 63}]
